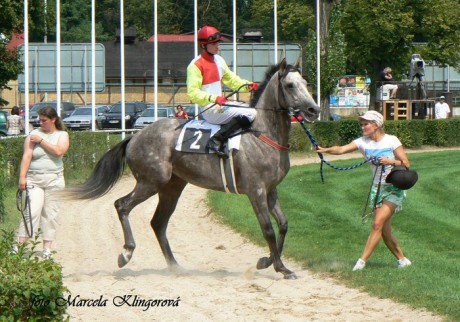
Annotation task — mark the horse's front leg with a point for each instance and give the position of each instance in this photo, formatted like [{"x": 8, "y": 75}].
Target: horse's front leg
[
  {"x": 168, "y": 198},
  {"x": 260, "y": 206},
  {"x": 281, "y": 220}
]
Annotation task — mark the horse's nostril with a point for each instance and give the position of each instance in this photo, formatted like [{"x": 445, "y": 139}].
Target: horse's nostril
[{"x": 313, "y": 110}]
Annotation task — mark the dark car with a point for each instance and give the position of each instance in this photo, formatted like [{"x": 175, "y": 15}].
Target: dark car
[
  {"x": 66, "y": 109},
  {"x": 112, "y": 119},
  {"x": 3, "y": 129}
]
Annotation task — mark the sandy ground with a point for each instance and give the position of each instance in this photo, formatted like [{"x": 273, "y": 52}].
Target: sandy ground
[{"x": 221, "y": 282}]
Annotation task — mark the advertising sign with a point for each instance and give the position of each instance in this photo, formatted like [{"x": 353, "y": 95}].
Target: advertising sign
[{"x": 352, "y": 91}]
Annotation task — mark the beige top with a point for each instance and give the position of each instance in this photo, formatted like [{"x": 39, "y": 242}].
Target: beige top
[{"x": 43, "y": 162}]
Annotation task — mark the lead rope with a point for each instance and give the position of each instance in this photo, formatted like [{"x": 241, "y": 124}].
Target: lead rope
[
  {"x": 374, "y": 160},
  {"x": 365, "y": 216},
  {"x": 312, "y": 139},
  {"x": 23, "y": 205}
]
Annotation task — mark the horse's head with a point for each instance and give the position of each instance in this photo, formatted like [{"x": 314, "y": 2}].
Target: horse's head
[{"x": 293, "y": 92}]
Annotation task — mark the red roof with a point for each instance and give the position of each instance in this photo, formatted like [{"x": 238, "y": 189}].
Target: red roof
[
  {"x": 180, "y": 38},
  {"x": 173, "y": 38},
  {"x": 16, "y": 40}
]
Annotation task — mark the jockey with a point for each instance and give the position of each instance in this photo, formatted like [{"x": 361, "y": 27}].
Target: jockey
[{"x": 205, "y": 75}]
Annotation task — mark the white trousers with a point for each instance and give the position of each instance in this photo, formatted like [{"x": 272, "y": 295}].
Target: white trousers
[
  {"x": 214, "y": 116},
  {"x": 44, "y": 204}
]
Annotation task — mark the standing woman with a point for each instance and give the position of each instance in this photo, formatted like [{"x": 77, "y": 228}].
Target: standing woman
[
  {"x": 14, "y": 122},
  {"x": 180, "y": 113},
  {"x": 389, "y": 152},
  {"x": 42, "y": 173}
]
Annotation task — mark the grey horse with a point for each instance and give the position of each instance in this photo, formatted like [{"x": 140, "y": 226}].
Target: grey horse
[{"x": 260, "y": 164}]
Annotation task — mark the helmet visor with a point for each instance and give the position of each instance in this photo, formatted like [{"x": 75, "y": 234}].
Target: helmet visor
[{"x": 215, "y": 37}]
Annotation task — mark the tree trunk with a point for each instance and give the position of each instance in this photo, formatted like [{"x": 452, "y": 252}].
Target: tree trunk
[{"x": 325, "y": 15}]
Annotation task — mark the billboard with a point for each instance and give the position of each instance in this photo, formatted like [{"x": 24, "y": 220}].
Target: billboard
[
  {"x": 75, "y": 67},
  {"x": 253, "y": 59}
]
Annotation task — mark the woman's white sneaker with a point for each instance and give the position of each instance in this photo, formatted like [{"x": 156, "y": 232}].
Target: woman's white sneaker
[
  {"x": 46, "y": 254},
  {"x": 404, "y": 262},
  {"x": 360, "y": 264}
]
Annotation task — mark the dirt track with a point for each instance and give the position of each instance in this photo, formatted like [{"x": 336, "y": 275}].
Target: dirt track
[{"x": 220, "y": 284}]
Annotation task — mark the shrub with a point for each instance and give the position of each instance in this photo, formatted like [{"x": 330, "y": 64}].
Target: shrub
[{"x": 29, "y": 287}]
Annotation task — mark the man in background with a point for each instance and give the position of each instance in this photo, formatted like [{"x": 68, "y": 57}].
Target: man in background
[{"x": 441, "y": 109}]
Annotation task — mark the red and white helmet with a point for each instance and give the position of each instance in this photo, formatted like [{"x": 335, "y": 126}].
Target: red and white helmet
[{"x": 208, "y": 35}]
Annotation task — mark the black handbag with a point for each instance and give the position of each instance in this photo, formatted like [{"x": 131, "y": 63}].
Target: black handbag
[{"x": 402, "y": 178}]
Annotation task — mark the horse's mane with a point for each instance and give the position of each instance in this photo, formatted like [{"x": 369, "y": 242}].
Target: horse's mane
[{"x": 271, "y": 70}]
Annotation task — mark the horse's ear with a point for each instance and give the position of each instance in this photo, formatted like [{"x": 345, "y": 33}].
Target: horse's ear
[
  {"x": 283, "y": 65},
  {"x": 298, "y": 63}
]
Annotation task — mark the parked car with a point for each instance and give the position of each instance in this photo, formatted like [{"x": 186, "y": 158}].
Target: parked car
[
  {"x": 112, "y": 119},
  {"x": 81, "y": 118},
  {"x": 148, "y": 116},
  {"x": 3, "y": 129},
  {"x": 66, "y": 109}
]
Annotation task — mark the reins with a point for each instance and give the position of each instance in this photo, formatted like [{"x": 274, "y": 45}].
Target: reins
[
  {"x": 23, "y": 205},
  {"x": 229, "y": 95}
]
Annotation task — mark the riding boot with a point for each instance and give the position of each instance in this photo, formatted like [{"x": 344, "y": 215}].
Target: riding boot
[{"x": 216, "y": 143}]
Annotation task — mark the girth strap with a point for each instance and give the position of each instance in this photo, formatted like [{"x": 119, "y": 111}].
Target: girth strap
[{"x": 227, "y": 173}]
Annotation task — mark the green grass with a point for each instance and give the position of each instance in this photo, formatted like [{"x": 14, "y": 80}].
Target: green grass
[{"x": 326, "y": 234}]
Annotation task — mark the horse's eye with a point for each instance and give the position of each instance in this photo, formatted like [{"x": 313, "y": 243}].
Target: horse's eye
[{"x": 290, "y": 85}]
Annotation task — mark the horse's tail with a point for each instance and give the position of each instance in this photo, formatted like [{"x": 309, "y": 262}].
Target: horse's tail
[{"x": 105, "y": 175}]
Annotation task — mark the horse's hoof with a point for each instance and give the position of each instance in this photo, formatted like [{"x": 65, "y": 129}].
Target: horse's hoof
[
  {"x": 264, "y": 262},
  {"x": 123, "y": 259},
  {"x": 290, "y": 276}
]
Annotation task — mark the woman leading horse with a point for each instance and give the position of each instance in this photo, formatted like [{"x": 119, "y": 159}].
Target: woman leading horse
[{"x": 260, "y": 164}]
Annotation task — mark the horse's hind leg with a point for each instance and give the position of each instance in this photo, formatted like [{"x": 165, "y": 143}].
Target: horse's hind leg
[
  {"x": 124, "y": 205},
  {"x": 275, "y": 209},
  {"x": 168, "y": 197}
]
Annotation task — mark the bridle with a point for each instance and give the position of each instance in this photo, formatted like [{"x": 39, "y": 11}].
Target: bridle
[{"x": 282, "y": 90}]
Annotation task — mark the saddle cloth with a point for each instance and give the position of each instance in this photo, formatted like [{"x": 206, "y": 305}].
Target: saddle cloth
[{"x": 195, "y": 135}]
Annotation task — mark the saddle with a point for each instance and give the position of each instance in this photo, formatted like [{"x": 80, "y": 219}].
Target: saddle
[{"x": 195, "y": 135}]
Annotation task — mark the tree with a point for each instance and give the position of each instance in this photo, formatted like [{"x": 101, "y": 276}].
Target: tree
[
  {"x": 436, "y": 25},
  {"x": 11, "y": 21},
  {"x": 377, "y": 34},
  {"x": 382, "y": 33},
  {"x": 295, "y": 19},
  {"x": 332, "y": 51}
]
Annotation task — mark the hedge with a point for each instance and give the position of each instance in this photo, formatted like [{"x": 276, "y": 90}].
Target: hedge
[{"x": 412, "y": 133}]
